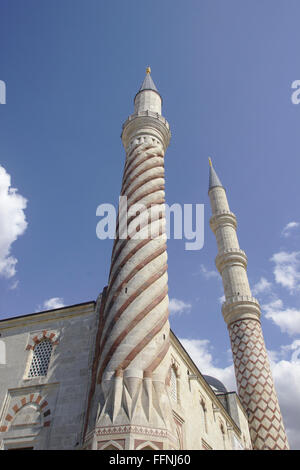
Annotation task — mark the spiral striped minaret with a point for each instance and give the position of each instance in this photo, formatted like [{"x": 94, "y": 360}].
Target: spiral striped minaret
[
  {"x": 241, "y": 312},
  {"x": 134, "y": 345}
]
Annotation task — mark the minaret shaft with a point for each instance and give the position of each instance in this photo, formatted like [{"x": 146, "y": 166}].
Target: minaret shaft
[
  {"x": 134, "y": 345},
  {"x": 241, "y": 312}
]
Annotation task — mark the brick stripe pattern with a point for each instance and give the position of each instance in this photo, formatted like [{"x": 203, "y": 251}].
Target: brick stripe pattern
[
  {"x": 255, "y": 385},
  {"x": 35, "y": 399},
  {"x": 135, "y": 326},
  {"x": 50, "y": 335}
]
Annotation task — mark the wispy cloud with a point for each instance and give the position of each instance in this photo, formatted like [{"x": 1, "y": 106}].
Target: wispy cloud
[
  {"x": 287, "y": 231},
  {"x": 262, "y": 286},
  {"x": 208, "y": 273},
  {"x": 288, "y": 319},
  {"x": 177, "y": 306},
  {"x": 200, "y": 351},
  {"x": 51, "y": 304},
  {"x": 294, "y": 348},
  {"x": 286, "y": 269},
  {"x": 12, "y": 223},
  {"x": 286, "y": 375},
  {"x": 14, "y": 285}
]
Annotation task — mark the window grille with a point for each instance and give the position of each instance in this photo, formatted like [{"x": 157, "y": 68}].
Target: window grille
[
  {"x": 41, "y": 358},
  {"x": 173, "y": 384}
]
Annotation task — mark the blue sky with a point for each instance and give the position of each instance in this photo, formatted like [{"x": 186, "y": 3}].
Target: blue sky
[{"x": 224, "y": 69}]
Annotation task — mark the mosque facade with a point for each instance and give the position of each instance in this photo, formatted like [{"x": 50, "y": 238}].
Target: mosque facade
[{"x": 110, "y": 374}]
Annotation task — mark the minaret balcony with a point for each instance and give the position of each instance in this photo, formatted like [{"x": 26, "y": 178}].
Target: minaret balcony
[
  {"x": 146, "y": 113},
  {"x": 222, "y": 218},
  {"x": 231, "y": 257},
  {"x": 146, "y": 122},
  {"x": 240, "y": 307}
]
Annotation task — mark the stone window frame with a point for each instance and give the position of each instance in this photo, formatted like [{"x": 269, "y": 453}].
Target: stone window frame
[
  {"x": 204, "y": 410},
  {"x": 176, "y": 370},
  {"x": 34, "y": 340},
  {"x": 40, "y": 359},
  {"x": 35, "y": 399},
  {"x": 223, "y": 430},
  {"x": 173, "y": 385}
]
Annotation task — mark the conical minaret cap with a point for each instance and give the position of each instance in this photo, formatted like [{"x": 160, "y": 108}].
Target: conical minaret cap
[
  {"x": 148, "y": 84},
  {"x": 214, "y": 180}
]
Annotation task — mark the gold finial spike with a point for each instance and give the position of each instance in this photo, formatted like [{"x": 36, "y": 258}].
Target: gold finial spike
[
  {"x": 210, "y": 162},
  {"x": 148, "y": 70}
]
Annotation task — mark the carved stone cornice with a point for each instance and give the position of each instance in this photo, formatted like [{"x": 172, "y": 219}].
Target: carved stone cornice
[
  {"x": 240, "y": 307},
  {"x": 231, "y": 257},
  {"x": 146, "y": 122},
  {"x": 222, "y": 218}
]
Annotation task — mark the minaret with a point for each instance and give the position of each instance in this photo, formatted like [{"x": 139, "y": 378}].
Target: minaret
[
  {"x": 241, "y": 312},
  {"x": 135, "y": 408}
]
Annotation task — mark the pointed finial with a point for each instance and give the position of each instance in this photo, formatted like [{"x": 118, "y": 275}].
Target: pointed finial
[
  {"x": 213, "y": 177},
  {"x": 148, "y": 70}
]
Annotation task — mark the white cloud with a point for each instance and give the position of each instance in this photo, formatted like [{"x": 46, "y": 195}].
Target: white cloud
[
  {"x": 285, "y": 371},
  {"x": 14, "y": 285},
  {"x": 51, "y": 304},
  {"x": 178, "y": 306},
  {"x": 12, "y": 223},
  {"x": 262, "y": 286},
  {"x": 286, "y": 375},
  {"x": 286, "y": 270},
  {"x": 286, "y": 232},
  {"x": 200, "y": 352},
  {"x": 208, "y": 274},
  {"x": 288, "y": 319}
]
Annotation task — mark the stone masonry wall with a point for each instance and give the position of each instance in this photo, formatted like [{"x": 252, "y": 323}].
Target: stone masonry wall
[{"x": 46, "y": 412}]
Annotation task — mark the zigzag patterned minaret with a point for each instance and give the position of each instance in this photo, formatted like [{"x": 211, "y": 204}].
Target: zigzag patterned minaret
[
  {"x": 134, "y": 345},
  {"x": 241, "y": 312}
]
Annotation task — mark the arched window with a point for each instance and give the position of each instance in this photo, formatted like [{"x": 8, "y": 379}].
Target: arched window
[
  {"x": 173, "y": 384},
  {"x": 204, "y": 414},
  {"x": 223, "y": 435},
  {"x": 41, "y": 358},
  {"x": 29, "y": 415}
]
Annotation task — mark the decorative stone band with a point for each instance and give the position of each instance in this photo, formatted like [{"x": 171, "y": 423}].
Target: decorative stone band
[
  {"x": 240, "y": 307},
  {"x": 145, "y": 124},
  {"x": 255, "y": 385},
  {"x": 161, "y": 434},
  {"x": 232, "y": 256},
  {"x": 35, "y": 399},
  {"x": 145, "y": 430},
  {"x": 52, "y": 336},
  {"x": 147, "y": 113},
  {"x": 222, "y": 218}
]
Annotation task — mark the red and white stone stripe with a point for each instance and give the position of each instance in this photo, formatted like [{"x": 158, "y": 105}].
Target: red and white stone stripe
[{"x": 135, "y": 331}]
